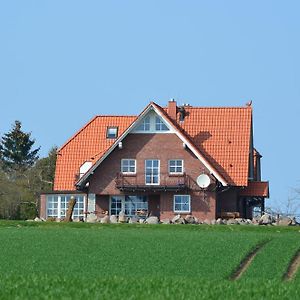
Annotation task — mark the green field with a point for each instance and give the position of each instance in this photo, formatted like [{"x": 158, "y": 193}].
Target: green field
[{"x": 98, "y": 261}]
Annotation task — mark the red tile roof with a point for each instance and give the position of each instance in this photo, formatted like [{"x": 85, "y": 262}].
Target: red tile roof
[
  {"x": 88, "y": 144},
  {"x": 256, "y": 189},
  {"x": 222, "y": 135}
]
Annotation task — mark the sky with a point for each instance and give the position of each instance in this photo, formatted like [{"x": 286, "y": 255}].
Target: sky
[{"x": 63, "y": 62}]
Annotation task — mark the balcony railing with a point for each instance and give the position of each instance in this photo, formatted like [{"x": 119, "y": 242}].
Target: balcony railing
[{"x": 167, "y": 182}]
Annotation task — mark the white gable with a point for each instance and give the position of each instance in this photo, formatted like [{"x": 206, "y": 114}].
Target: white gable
[{"x": 152, "y": 123}]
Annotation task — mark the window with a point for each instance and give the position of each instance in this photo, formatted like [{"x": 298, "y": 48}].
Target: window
[
  {"x": 182, "y": 203},
  {"x": 57, "y": 206},
  {"x": 136, "y": 205},
  {"x": 128, "y": 166},
  {"x": 176, "y": 166},
  {"x": 84, "y": 168},
  {"x": 131, "y": 205},
  {"x": 145, "y": 125},
  {"x": 112, "y": 132},
  {"x": 160, "y": 125},
  {"x": 115, "y": 205},
  {"x": 152, "y": 171}
]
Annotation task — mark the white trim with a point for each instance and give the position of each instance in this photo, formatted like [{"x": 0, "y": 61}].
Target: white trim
[
  {"x": 181, "y": 211},
  {"x": 182, "y": 166},
  {"x": 122, "y": 202},
  {"x": 128, "y": 173},
  {"x": 176, "y": 131},
  {"x": 152, "y": 175}
]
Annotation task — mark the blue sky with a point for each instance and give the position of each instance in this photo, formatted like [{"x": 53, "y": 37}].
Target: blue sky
[{"x": 62, "y": 62}]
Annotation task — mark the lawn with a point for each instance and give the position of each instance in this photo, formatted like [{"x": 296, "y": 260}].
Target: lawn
[{"x": 52, "y": 260}]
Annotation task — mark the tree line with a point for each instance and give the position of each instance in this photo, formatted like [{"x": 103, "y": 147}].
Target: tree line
[{"x": 23, "y": 174}]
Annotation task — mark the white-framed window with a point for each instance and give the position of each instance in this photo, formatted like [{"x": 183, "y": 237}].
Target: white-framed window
[
  {"x": 128, "y": 166},
  {"x": 112, "y": 132},
  {"x": 176, "y": 166},
  {"x": 160, "y": 125},
  {"x": 152, "y": 171},
  {"x": 182, "y": 203},
  {"x": 145, "y": 125},
  {"x": 57, "y": 206},
  {"x": 131, "y": 205}
]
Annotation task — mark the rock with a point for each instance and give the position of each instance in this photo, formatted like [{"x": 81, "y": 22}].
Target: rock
[
  {"x": 141, "y": 221},
  {"x": 189, "y": 219},
  {"x": 104, "y": 220},
  {"x": 207, "y": 222},
  {"x": 232, "y": 222},
  {"x": 37, "y": 219},
  {"x": 113, "y": 219},
  {"x": 265, "y": 219},
  {"x": 91, "y": 218},
  {"x": 152, "y": 220},
  {"x": 29, "y": 220},
  {"x": 294, "y": 222},
  {"x": 122, "y": 217},
  {"x": 175, "y": 218},
  {"x": 133, "y": 220},
  {"x": 285, "y": 221},
  {"x": 165, "y": 221},
  {"x": 219, "y": 221},
  {"x": 213, "y": 222}
]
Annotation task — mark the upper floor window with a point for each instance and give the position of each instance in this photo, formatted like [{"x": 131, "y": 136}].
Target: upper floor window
[
  {"x": 160, "y": 125},
  {"x": 112, "y": 132},
  {"x": 176, "y": 166},
  {"x": 152, "y": 171},
  {"x": 128, "y": 166},
  {"x": 145, "y": 125}
]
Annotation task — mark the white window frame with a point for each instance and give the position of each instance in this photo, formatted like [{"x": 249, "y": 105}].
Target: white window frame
[
  {"x": 182, "y": 211},
  {"x": 128, "y": 159},
  {"x": 158, "y": 175},
  {"x": 146, "y": 122},
  {"x": 159, "y": 123},
  {"x": 123, "y": 201},
  {"x": 176, "y": 166},
  {"x": 60, "y": 208}
]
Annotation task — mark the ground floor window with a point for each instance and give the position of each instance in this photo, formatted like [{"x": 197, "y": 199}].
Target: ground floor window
[
  {"x": 57, "y": 206},
  {"x": 131, "y": 205},
  {"x": 182, "y": 203}
]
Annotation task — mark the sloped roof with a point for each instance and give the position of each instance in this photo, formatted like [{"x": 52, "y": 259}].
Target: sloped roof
[
  {"x": 256, "y": 189},
  {"x": 222, "y": 136},
  {"x": 88, "y": 144}
]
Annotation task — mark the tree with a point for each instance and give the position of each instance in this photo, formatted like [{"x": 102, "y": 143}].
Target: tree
[{"x": 16, "y": 151}]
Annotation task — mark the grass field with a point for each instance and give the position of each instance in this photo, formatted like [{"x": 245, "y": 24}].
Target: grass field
[{"x": 98, "y": 261}]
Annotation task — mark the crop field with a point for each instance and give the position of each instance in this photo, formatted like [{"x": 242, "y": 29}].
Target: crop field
[{"x": 99, "y": 261}]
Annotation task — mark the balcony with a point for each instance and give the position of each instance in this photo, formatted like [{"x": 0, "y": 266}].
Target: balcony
[{"x": 167, "y": 182}]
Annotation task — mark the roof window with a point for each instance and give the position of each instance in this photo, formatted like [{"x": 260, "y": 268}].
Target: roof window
[{"x": 112, "y": 132}]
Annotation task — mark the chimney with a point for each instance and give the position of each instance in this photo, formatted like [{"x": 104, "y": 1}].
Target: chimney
[{"x": 172, "y": 109}]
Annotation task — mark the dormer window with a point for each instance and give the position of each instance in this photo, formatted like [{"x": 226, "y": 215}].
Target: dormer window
[
  {"x": 112, "y": 132},
  {"x": 145, "y": 125},
  {"x": 160, "y": 125}
]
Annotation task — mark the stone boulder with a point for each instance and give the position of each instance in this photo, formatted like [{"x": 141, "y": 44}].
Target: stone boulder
[
  {"x": 213, "y": 222},
  {"x": 189, "y": 219},
  {"x": 134, "y": 220},
  {"x": 104, "y": 220},
  {"x": 91, "y": 218},
  {"x": 141, "y": 221},
  {"x": 206, "y": 222},
  {"x": 265, "y": 219},
  {"x": 122, "y": 217},
  {"x": 285, "y": 221},
  {"x": 113, "y": 219},
  {"x": 165, "y": 221},
  {"x": 152, "y": 220},
  {"x": 178, "y": 220},
  {"x": 219, "y": 221},
  {"x": 37, "y": 219},
  {"x": 232, "y": 222}
]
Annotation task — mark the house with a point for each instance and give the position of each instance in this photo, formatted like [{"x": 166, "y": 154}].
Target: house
[{"x": 166, "y": 161}]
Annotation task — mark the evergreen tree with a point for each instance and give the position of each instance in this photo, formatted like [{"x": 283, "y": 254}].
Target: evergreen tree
[{"x": 16, "y": 152}]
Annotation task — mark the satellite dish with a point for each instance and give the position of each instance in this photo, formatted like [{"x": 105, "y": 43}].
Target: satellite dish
[{"x": 203, "y": 181}]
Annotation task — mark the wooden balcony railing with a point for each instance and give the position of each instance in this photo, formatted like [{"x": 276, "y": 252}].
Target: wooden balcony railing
[{"x": 167, "y": 182}]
